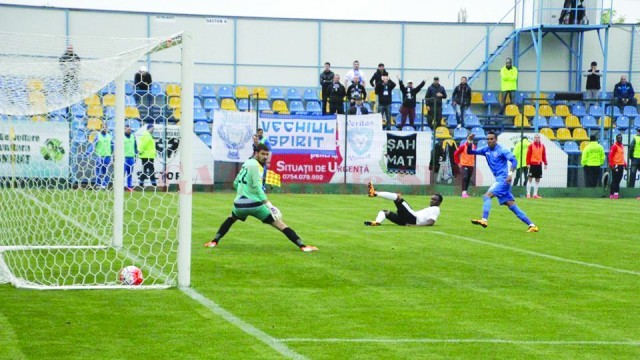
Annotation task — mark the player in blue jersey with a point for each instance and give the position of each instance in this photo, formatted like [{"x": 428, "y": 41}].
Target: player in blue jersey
[{"x": 498, "y": 159}]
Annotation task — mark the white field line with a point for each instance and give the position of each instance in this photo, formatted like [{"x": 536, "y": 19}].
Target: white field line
[
  {"x": 272, "y": 342},
  {"x": 467, "y": 341},
  {"x": 201, "y": 299},
  {"x": 538, "y": 254}
]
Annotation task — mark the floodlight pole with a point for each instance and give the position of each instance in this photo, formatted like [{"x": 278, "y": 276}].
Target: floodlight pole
[{"x": 186, "y": 161}]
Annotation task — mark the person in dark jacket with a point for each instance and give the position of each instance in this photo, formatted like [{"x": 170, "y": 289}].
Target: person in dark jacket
[
  {"x": 358, "y": 108},
  {"x": 326, "y": 79},
  {"x": 142, "y": 80},
  {"x": 377, "y": 76},
  {"x": 356, "y": 88},
  {"x": 408, "y": 107},
  {"x": 623, "y": 94},
  {"x": 435, "y": 94},
  {"x": 69, "y": 65},
  {"x": 336, "y": 94},
  {"x": 383, "y": 90},
  {"x": 593, "y": 83},
  {"x": 461, "y": 100}
]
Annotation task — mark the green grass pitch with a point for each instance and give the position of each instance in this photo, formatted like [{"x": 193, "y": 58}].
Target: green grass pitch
[{"x": 453, "y": 291}]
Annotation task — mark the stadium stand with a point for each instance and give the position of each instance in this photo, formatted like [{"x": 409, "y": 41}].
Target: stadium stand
[
  {"x": 276, "y": 94},
  {"x": 225, "y": 92},
  {"x": 293, "y": 94},
  {"x": 242, "y": 92},
  {"x": 228, "y": 104},
  {"x": 572, "y": 121}
]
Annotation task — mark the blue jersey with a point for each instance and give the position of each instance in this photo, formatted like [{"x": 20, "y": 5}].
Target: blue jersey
[{"x": 496, "y": 159}]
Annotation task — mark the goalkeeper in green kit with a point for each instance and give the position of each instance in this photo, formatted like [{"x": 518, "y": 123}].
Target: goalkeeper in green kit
[{"x": 252, "y": 201}]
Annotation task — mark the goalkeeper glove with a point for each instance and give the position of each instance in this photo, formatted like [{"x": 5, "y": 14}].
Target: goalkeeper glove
[{"x": 275, "y": 213}]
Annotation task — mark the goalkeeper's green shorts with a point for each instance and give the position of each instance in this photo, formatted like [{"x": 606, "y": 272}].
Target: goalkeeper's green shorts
[{"x": 260, "y": 212}]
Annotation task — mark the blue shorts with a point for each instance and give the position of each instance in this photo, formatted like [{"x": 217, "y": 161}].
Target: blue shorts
[{"x": 502, "y": 190}]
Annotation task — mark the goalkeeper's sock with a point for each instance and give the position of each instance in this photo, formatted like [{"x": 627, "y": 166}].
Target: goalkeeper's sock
[
  {"x": 226, "y": 225},
  {"x": 520, "y": 214},
  {"x": 293, "y": 237},
  {"x": 387, "y": 195},
  {"x": 381, "y": 217},
  {"x": 486, "y": 206}
]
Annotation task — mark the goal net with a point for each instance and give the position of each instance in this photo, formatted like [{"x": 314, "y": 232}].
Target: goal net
[{"x": 68, "y": 219}]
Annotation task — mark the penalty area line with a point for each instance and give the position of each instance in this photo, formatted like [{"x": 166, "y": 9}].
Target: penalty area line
[
  {"x": 467, "y": 341},
  {"x": 538, "y": 254},
  {"x": 267, "y": 339}
]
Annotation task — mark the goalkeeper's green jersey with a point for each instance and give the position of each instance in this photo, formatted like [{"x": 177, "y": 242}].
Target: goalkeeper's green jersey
[{"x": 248, "y": 182}]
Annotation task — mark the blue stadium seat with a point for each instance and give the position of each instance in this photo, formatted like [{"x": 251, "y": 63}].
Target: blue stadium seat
[
  {"x": 207, "y": 92},
  {"x": 110, "y": 112},
  {"x": 589, "y": 122},
  {"x": 490, "y": 98},
  {"x": 206, "y": 139},
  {"x": 451, "y": 120},
  {"x": 201, "y": 127},
  {"x": 408, "y": 128},
  {"x": 481, "y": 143},
  {"x": 263, "y": 105},
  {"x": 540, "y": 121},
  {"x": 630, "y": 111},
  {"x": 78, "y": 110},
  {"x": 56, "y": 118},
  {"x": 129, "y": 89},
  {"x": 129, "y": 100},
  {"x": 368, "y": 106},
  {"x": 196, "y": 103},
  {"x": 460, "y": 133},
  {"x": 471, "y": 121},
  {"x": 225, "y": 92},
  {"x": 622, "y": 122},
  {"x": 479, "y": 133},
  {"x": 134, "y": 124},
  {"x": 110, "y": 124},
  {"x": 596, "y": 111},
  {"x": 293, "y": 94},
  {"x": 296, "y": 107},
  {"x": 556, "y": 122},
  {"x": 243, "y": 104},
  {"x": 109, "y": 89},
  {"x": 276, "y": 94},
  {"x": 396, "y": 96},
  {"x": 447, "y": 109},
  {"x": 310, "y": 94},
  {"x": 156, "y": 89},
  {"x": 578, "y": 110},
  {"x": 211, "y": 104},
  {"x": 59, "y": 112},
  {"x": 571, "y": 148},
  {"x": 199, "y": 115},
  {"x": 614, "y": 109},
  {"x": 77, "y": 124},
  {"x": 395, "y": 109},
  {"x": 520, "y": 97},
  {"x": 314, "y": 108}
]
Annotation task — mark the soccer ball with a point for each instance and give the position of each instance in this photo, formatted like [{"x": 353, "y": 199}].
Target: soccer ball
[{"x": 130, "y": 275}]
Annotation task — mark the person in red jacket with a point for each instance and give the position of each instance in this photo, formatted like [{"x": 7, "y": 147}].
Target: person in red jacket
[
  {"x": 467, "y": 163},
  {"x": 617, "y": 163},
  {"x": 536, "y": 156}
]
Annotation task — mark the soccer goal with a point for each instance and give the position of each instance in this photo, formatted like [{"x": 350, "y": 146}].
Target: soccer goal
[{"x": 67, "y": 220}]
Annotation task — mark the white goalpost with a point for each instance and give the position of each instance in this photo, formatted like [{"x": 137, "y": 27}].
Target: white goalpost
[{"x": 68, "y": 219}]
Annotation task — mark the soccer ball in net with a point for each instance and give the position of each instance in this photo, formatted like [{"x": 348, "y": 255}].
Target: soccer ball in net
[{"x": 130, "y": 275}]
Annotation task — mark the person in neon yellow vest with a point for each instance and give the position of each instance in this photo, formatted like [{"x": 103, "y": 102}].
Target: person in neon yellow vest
[
  {"x": 147, "y": 153},
  {"x": 508, "y": 83},
  {"x": 130, "y": 152},
  {"x": 102, "y": 149}
]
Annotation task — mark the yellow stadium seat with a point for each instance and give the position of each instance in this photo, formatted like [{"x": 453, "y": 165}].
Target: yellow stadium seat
[
  {"x": 563, "y": 134},
  {"x": 262, "y": 93},
  {"x": 175, "y": 102},
  {"x": 572, "y": 121},
  {"x": 35, "y": 85},
  {"x": 548, "y": 133},
  {"x": 529, "y": 111},
  {"x": 95, "y": 111},
  {"x": 284, "y": 112},
  {"x": 583, "y": 145},
  {"x": 131, "y": 112},
  {"x": 562, "y": 110},
  {"x": 476, "y": 98},
  {"x": 109, "y": 100},
  {"x": 92, "y": 100},
  {"x": 372, "y": 97},
  {"x": 280, "y": 106},
  {"x": 173, "y": 90},
  {"x": 545, "y": 110},
  {"x": 38, "y": 118},
  {"x": 607, "y": 122},
  {"x": 177, "y": 114},
  {"x": 544, "y": 101},
  {"x": 228, "y": 104},
  {"x": 580, "y": 134},
  {"x": 512, "y": 110},
  {"x": 242, "y": 92},
  {"x": 521, "y": 121},
  {"x": 36, "y": 97},
  {"x": 442, "y": 133},
  {"x": 92, "y": 136},
  {"x": 94, "y": 124}
]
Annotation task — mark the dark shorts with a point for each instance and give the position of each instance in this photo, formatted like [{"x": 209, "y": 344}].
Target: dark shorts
[
  {"x": 403, "y": 216},
  {"x": 535, "y": 171}
]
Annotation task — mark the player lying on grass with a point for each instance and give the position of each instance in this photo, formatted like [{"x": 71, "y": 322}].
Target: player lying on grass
[
  {"x": 405, "y": 216},
  {"x": 498, "y": 159},
  {"x": 252, "y": 201}
]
